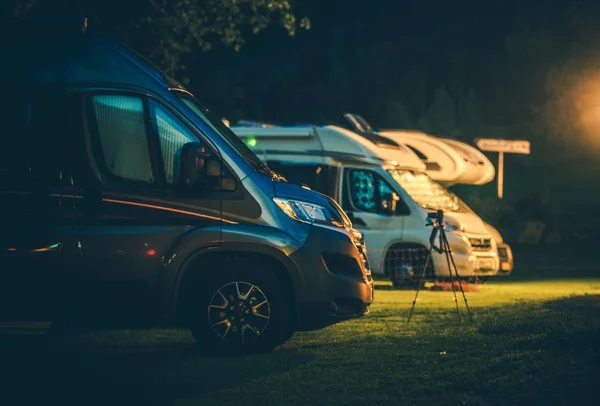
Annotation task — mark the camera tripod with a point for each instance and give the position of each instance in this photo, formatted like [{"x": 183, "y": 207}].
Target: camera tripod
[{"x": 436, "y": 220}]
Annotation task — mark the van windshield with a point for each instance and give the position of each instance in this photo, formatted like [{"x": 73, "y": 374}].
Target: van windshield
[
  {"x": 428, "y": 193},
  {"x": 226, "y": 133}
]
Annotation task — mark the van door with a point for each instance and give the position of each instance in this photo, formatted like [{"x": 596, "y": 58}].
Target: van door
[
  {"x": 37, "y": 215},
  {"x": 375, "y": 209},
  {"x": 132, "y": 215}
]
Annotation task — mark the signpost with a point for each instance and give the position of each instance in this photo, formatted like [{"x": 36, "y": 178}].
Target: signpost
[{"x": 503, "y": 146}]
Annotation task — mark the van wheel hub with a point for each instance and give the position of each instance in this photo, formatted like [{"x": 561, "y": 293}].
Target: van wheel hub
[{"x": 239, "y": 312}]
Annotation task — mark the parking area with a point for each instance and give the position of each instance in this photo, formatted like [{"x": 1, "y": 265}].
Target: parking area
[{"x": 535, "y": 339}]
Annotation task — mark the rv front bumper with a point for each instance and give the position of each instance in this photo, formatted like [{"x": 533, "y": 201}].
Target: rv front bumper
[
  {"x": 336, "y": 282},
  {"x": 469, "y": 262}
]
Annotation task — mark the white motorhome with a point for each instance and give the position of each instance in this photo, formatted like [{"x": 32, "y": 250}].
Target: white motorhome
[
  {"x": 383, "y": 189},
  {"x": 443, "y": 163},
  {"x": 447, "y": 161},
  {"x": 480, "y": 163}
]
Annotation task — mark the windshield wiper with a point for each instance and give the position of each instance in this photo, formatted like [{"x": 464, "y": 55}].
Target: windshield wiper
[{"x": 261, "y": 167}]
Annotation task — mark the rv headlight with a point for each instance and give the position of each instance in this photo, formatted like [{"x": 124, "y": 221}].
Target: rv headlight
[{"x": 306, "y": 212}]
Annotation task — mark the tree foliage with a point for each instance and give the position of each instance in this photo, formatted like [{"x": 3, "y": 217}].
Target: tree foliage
[{"x": 167, "y": 30}]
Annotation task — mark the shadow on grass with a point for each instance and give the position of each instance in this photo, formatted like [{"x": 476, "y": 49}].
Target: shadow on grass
[
  {"x": 551, "y": 353},
  {"x": 32, "y": 373},
  {"x": 527, "y": 353}
]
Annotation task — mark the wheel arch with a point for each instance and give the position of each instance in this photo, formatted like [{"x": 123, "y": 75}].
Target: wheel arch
[{"x": 276, "y": 261}]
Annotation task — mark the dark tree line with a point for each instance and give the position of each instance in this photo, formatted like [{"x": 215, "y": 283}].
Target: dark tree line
[{"x": 168, "y": 30}]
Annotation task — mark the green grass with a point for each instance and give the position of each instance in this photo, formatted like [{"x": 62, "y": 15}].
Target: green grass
[{"x": 531, "y": 342}]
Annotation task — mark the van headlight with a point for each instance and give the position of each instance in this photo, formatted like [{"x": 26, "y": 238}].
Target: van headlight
[
  {"x": 307, "y": 212},
  {"x": 451, "y": 227}
]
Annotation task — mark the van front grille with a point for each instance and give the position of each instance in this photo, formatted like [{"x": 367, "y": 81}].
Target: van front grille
[
  {"x": 503, "y": 254},
  {"x": 359, "y": 243},
  {"x": 481, "y": 244}
]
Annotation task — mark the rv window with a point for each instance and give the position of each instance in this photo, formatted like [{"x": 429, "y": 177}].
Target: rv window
[
  {"x": 421, "y": 155},
  {"x": 362, "y": 190},
  {"x": 315, "y": 177},
  {"x": 121, "y": 127},
  {"x": 372, "y": 194},
  {"x": 427, "y": 193}
]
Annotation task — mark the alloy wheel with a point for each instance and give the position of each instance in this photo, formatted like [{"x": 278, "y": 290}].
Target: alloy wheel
[{"x": 239, "y": 312}]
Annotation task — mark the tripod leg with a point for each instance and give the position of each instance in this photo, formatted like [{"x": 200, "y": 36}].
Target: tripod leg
[
  {"x": 421, "y": 277},
  {"x": 446, "y": 247},
  {"x": 459, "y": 281}
]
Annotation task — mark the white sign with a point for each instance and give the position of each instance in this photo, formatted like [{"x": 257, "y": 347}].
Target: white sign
[
  {"x": 503, "y": 146},
  {"x": 498, "y": 145}
]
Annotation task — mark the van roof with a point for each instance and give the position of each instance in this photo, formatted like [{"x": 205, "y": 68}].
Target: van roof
[{"x": 55, "y": 53}]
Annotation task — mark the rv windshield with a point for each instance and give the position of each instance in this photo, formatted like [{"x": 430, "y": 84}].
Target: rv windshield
[
  {"x": 226, "y": 133},
  {"x": 428, "y": 193}
]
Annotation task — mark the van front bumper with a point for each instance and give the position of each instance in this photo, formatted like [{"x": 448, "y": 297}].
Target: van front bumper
[
  {"x": 335, "y": 282},
  {"x": 469, "y": 262}
]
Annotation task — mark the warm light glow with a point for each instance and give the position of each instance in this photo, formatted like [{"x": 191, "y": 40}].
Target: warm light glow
[
  {"x": 588, "y": 105},
  {"x": 572, "y": 110},
  {"x": 151, "y": 252}
]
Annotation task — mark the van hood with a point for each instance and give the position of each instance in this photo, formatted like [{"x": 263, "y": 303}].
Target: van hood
[
  {"x": 291, "y": 191},
  {"x": 470, "y": 222},
  {"x": 495, "y": 233}
]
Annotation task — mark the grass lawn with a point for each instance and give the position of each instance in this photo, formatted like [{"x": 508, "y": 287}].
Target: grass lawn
[{"x": 533, "y": 341}]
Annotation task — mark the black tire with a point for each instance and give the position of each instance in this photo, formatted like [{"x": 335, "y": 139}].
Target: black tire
[{"x": 216, "y": 330}]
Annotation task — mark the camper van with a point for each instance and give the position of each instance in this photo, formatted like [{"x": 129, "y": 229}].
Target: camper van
[
  {"x": 385, "y": 193},
  {"x": 447, "y": 161},
  {"x": 123, "y": 201}
]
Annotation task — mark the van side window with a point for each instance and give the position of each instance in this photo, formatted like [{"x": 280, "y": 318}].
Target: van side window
[
  {"x": 123, "y": 136},
  {"x": 370, "y": 193},
  {"x": 173, "y": 135}
]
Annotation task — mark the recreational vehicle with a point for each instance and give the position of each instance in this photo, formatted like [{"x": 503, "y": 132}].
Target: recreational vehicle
[
  {"x": 449, "y": 162},
  {"x": 482, "y": 169},
  {"x": 385, "y": 193}
]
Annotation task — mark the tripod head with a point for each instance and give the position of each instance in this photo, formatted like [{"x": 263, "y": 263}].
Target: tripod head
[{"x": 436, "y": 220}]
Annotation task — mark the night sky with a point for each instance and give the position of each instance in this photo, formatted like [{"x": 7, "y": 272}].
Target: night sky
[{"x": 357, "y": 53}]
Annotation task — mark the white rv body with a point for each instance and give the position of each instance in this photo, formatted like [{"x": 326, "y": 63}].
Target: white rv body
[
  {"x": 368, "y": 181},
  {"x": 448, "y": 161},
  {"x": 443, "y": 163},
  {"x": 457, "y": 164},
  {"x": 482, "y": 171}
]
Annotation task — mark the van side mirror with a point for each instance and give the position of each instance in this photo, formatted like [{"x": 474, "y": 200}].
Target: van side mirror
[
  {"x": 389, "y": 204},
  {"x": 199, "y": 169}
]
